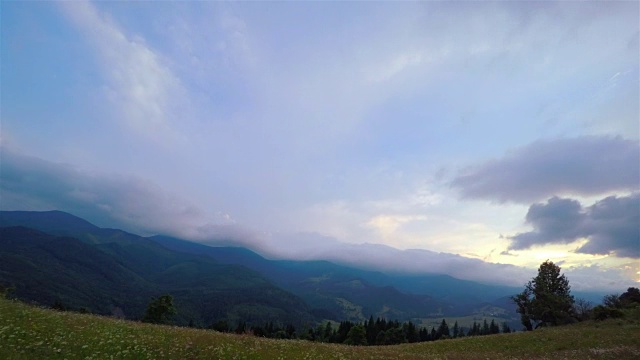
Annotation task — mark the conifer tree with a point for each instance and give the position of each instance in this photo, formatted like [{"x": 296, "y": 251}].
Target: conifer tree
[
  {"x": 505, "y": 328},
  {"x": 494, "y": 328}
]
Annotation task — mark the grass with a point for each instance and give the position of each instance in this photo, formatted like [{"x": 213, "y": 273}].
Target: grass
[{"x": 28, "y": 332}]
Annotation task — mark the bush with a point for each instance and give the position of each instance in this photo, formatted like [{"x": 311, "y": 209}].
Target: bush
[{"x": 603, "y": 312}]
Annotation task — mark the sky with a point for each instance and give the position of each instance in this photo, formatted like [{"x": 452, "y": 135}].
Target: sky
[{"x": 476, "y": 139}]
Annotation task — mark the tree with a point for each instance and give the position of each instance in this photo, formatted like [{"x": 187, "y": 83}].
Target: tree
[
  {"x": 523, "y": 301},
  {"x": 241, "y": 328},
  {"x": 485, "y": 328},
  {"x": 357, "y": 336},
  {"x": 631, "y": 297},
  {"x": 546, "y": 299},
  {"x": 604, "y": 312},
  {"x": 582, "y": 309},
  {"x": 493, "y": 327},
  {"x": 612, "y": 301},
  {"x": 394, "y": 335},
  {"x": 456, "y": 330},
  {"x": 410, "y": 332},
  {"x": 505, "y": 328},
  {"x": 443, "y": 330},
  {"x": 159, "y": 310},
  {"x": 328, "y": 332},
  {"x": 221, "y": 326}
]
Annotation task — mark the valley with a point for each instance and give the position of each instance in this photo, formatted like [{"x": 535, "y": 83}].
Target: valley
[{"x": 54, "y": 257}]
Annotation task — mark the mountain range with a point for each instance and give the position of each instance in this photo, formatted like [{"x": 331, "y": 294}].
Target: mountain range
[{"x": 54, "y": 256}]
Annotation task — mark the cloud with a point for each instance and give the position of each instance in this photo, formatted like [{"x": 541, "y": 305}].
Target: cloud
[
  {"x": 589, "y": 165},
  {"x": 557, "y": 221},
  {"x": 599, "y": 278},
  {"x": 140, "y": 206},
  {"x": 377, "y": 257},
  {"x": 143, "y": 90},
  {"x": 611, "y": 225},
  {"x": 396, "y": 66},
  {"x": 387, "y": 225},
  {"x": 127, "y": 202}
]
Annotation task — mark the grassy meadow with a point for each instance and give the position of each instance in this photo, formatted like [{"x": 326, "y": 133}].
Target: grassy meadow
[{"x": 28, "y": 332}]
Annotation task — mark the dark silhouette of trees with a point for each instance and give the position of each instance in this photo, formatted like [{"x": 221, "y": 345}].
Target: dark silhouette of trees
[
  {"x": 612, "y": 301},
  {"x": 601, "y": 312},
  {"x": 631, "y": 297},
  {"x": 523, "y": 302},
  {"x": 582, "y": 309},
  {"x": 443, "y": 330},
  {"x": 160, "y": 310},
  {"x": 369, "y": 332},
  {"x": 614, "y": 304},
  {"x": 505, "y": 328},
  {"x": 546, "y": 299},
  {"x": 494, "y": 328},
  {"x": 221, "y": 326}
]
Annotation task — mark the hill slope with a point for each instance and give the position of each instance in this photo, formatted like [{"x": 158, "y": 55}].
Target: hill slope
[
  {"x": 322, "y": 283},
  {"x": 123, "y": 272},
  {"x": 336, "y": 292},
  {"x": 33, "y": 333}
]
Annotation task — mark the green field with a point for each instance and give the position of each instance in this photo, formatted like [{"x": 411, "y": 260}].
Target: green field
[{"x": 33, "y": 333}]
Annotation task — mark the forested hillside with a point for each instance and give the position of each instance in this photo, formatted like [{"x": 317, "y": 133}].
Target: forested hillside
[
  {"x": 108, "y": 276},
  {"x": 56, "y": 258}
]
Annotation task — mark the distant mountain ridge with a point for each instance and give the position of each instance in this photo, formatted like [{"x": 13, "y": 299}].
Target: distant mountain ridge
[
  {"x": 54, "y": 221},
  {"x": 192, "y": 271},
  {"x": 107, "y": 270},
  {"x": 442, "y": 293}
]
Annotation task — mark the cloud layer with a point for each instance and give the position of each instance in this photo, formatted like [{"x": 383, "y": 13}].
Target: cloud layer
[
  {"x": 140, "y": 206},
  {"x": 135, "y": 204},
  {"x": 611, "y": 225},
  {"x": 415, "y": 261},
  {"x": 589, "y": 165}
]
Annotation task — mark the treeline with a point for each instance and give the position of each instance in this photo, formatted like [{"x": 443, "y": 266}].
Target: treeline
[
  {"x": 370, "y": 332},
  {"x": 160, "y": 310}
]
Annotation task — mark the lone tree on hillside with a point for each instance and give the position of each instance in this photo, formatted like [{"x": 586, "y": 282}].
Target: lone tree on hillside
[
  {"x": 546, "y": 299},
  {"x": 159, "y": 310}
]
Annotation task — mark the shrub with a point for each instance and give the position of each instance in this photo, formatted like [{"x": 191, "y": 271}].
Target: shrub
[{"x": 603, "y": 312}]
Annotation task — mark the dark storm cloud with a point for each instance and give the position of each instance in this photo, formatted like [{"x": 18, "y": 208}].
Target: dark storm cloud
[
  {"x": 584, "y": 165},
  {"x": 611, "y": 225}
]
